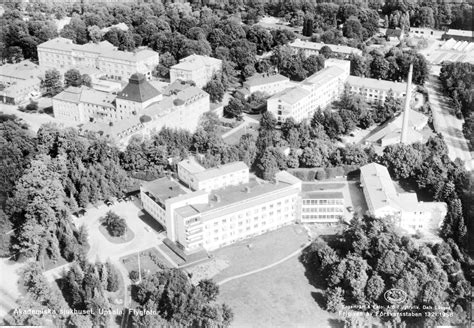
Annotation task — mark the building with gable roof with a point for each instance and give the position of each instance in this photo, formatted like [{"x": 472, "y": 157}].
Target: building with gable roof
[
  {"x": 374, "y": 90},
  {"x": 137, "y": 95},
  {"x": 197, "y": 68},
  {"x": 317, "y": 91},
  {"x": 266, "y": 83},
  {"x": 63, "y": 54},
  {"x": 313, "y": 48},
  {"x": 383, "y": 200},
  {"x": 196, "y": 177},
  {"x": 18, "y": 81}
]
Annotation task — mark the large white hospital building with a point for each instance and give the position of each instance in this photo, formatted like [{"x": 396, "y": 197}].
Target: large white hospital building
[
  {"x": 230, "y": 207},
  {"x": 63, "y": 54}
]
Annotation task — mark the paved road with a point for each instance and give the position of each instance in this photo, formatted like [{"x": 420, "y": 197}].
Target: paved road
[
  {"x": 297, "y": 252},
  {"x": 446, "y": 123}
]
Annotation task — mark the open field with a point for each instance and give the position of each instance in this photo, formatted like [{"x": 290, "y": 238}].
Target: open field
[
  {"x": 263, "y": 250},
  {"x": 279, "y": 297}
]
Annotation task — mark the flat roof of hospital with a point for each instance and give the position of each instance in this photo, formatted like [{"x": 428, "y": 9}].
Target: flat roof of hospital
[
  {"x": 233, "y": 198},
  {"x": 164, "y": 188}
]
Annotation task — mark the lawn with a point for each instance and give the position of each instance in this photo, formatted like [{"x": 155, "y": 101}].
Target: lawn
[
  {"x": 279, "y": 297},
  {"x": 265, "y": 249},
  {"x": 125, "y": 238},
  {"x": 150, "y": 261}
]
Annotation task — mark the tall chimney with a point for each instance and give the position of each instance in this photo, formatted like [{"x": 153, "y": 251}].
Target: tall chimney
[{"x": 406, "y": 119}]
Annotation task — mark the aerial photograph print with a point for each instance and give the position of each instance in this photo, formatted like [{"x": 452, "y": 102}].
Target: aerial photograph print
[{"x": 237, "y": 163}]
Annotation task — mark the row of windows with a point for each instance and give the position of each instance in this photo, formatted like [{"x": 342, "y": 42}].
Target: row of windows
[
  {"x": 240, "y": 222},
  {"x": 216, "y": 235},
  {"x": 320, "y": 216},
  {"x": 323, "y": 202},
  {"x": 323, "y": 209}
]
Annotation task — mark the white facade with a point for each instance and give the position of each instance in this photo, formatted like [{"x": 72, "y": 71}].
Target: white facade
[
  {"x": 407, "y": 212},
  {"x": 198, "y": 178},
  {"x": 199, "y": 69},
  {"x": 302, "y": 101},
  {"x": 84, "y": 105},
  {"x": 375, "y": 91},
  {"x": 63, "y": 54},
  {"x": 322, "y": 207},
  {"x": 267, "y": 83},
  {"x": 209, "y": 219}
]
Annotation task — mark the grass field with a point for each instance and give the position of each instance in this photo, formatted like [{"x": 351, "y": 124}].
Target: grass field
[
  {"x": 279, "y": 297},
  {"x": 263, "y": 250}
]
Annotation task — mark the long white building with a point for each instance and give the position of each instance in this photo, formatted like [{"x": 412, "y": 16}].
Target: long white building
[
  {"x": 210, "y": 219},
  {"x": 63, "y": 54},
  {"x": 317, "y": 91},
  {"x": 268, "y": 84},
  {"x": 383, "y": 200},
  {"x": 197, "y": 68},
  {"x": 313, "y": 48},
  {"x": 197, "y": 177},
  {"x": 375, "y": 91}
]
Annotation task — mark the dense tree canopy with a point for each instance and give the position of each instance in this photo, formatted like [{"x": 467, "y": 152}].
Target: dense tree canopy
[{"x": 370, "y": 257}]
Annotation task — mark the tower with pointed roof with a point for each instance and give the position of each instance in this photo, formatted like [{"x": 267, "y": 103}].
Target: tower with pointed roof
[{"x": 137, "y": 95}]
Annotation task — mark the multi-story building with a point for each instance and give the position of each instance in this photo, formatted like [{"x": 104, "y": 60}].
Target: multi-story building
[
  {"x": 459, "y": 35},
  {"x": 375, "y": 91},
  {"x": 197, "y": 68},
  {"x": 139, "y": 109},
  {"x": 137, "y": 95},
  {"x": 197, "y": 177},
  {"x": 383, "y": 200},
  {"x": 321, "y": 206},
  {"x": 212, "y": 218},
  {"x": 63, "y": 54},
  {"x": 313, "y": 48},
  {"x": 19, "y": 81},
  {"x": 425, "y": 32},
  {"x": 302, "y": 101},
  {"x": 83, "y": 104},
  {"x": 268, "y": 84},
  {"x": 155, "y": 194}
]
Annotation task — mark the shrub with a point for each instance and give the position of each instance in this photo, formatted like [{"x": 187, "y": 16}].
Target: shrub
[
  {"x": 116, "y": 225},
  {"x": 321, "y": 175},
  {"x": 113, "y": 283},
  {"x": 134, "y": 275}
]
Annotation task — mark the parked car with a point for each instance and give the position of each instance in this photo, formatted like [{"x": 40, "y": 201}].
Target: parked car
[
  {"x": 108, "y": 202},
  {"x": 350, "y": 209}
]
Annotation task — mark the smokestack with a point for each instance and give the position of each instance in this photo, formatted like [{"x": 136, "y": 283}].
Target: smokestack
[{"x": 406, "y": 119}]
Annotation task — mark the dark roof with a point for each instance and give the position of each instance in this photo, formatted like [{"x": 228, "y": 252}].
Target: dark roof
[
  {"x": 138, "y": 89},
  {"x": 164, "y": 188}
]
